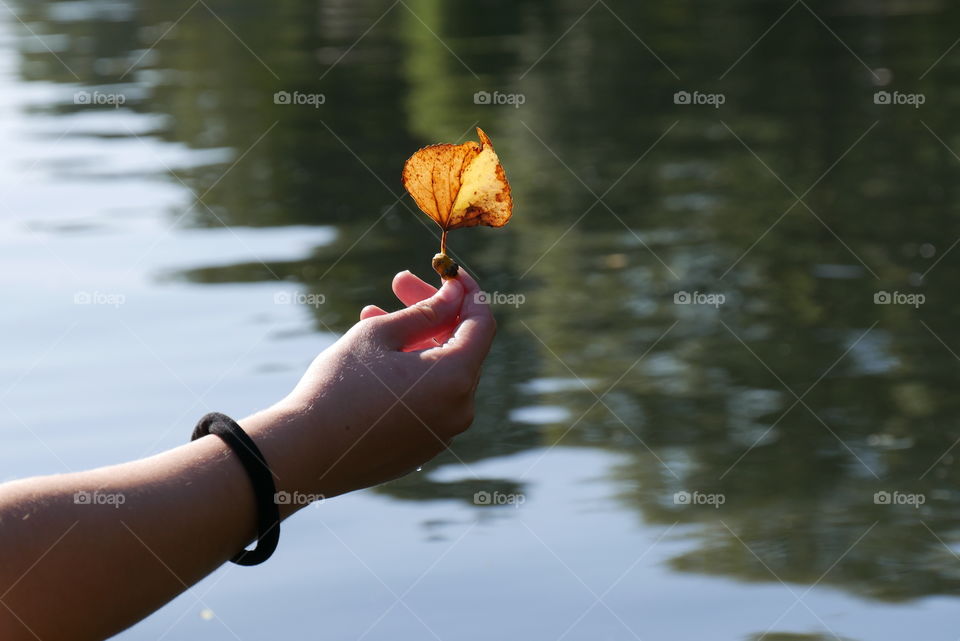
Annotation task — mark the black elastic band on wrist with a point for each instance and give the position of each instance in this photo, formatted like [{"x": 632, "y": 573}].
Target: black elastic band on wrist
[{"x": 264, "y": 490}]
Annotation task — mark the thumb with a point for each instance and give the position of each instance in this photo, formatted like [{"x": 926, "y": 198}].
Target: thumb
[{"x": 422, "y": 320}]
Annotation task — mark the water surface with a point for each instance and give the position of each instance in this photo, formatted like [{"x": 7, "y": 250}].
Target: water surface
[{"x": 704, "y": 469}]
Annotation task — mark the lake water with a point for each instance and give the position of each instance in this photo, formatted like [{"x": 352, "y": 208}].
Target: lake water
[{"x": 722, "y": 402}]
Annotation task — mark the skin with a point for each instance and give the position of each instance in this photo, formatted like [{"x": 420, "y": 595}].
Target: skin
[{"x": 388, "y": 396}]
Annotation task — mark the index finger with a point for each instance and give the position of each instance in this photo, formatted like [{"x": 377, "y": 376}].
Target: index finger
[{"x": 411, "y": 289}]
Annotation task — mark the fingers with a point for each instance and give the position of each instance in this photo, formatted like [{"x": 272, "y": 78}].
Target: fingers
[
  {"x": 371, "y": 311},
  {"x": 410, "y": 289},
  {"x": 472, "y": 339},
  {"x": 423, "y": 320}
]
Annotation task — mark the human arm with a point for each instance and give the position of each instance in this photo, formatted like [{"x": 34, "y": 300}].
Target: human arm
[{"x": 365, "y": 412}]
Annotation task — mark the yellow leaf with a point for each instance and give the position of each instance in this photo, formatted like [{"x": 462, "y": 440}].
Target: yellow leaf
[{"x": 459, "y": 186}]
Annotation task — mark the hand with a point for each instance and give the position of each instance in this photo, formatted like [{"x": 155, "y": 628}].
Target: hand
[{"x": 388, "y": 396}]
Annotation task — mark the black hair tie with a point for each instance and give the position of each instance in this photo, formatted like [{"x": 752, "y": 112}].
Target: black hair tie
[{"x": 268, "y": 515}]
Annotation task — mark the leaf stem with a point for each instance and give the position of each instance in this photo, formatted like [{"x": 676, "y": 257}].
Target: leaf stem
[{"x": 443, "y": 242}]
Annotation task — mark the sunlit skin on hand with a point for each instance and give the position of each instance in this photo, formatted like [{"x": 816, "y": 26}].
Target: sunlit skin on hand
[{"x": 401, "y": 385}]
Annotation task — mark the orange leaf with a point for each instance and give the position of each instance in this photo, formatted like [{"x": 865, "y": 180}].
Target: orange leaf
[{"x": 460, "y": 185}]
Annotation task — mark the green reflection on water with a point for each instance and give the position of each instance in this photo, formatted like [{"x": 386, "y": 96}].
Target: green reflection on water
[{"x": 797, "y": 399}]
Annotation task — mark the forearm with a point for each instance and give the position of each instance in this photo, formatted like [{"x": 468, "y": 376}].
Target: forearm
[
  {"x": 147, "y": 530},
  {"x": 85, "y": 570}
]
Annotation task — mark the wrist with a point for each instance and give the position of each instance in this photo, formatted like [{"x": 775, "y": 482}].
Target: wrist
[
  {"x": 272, "y": 430},
  {"x": 299, "y": 452}
]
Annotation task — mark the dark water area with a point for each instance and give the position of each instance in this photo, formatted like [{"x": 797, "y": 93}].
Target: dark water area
[{"x": 727, "y": 333}]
